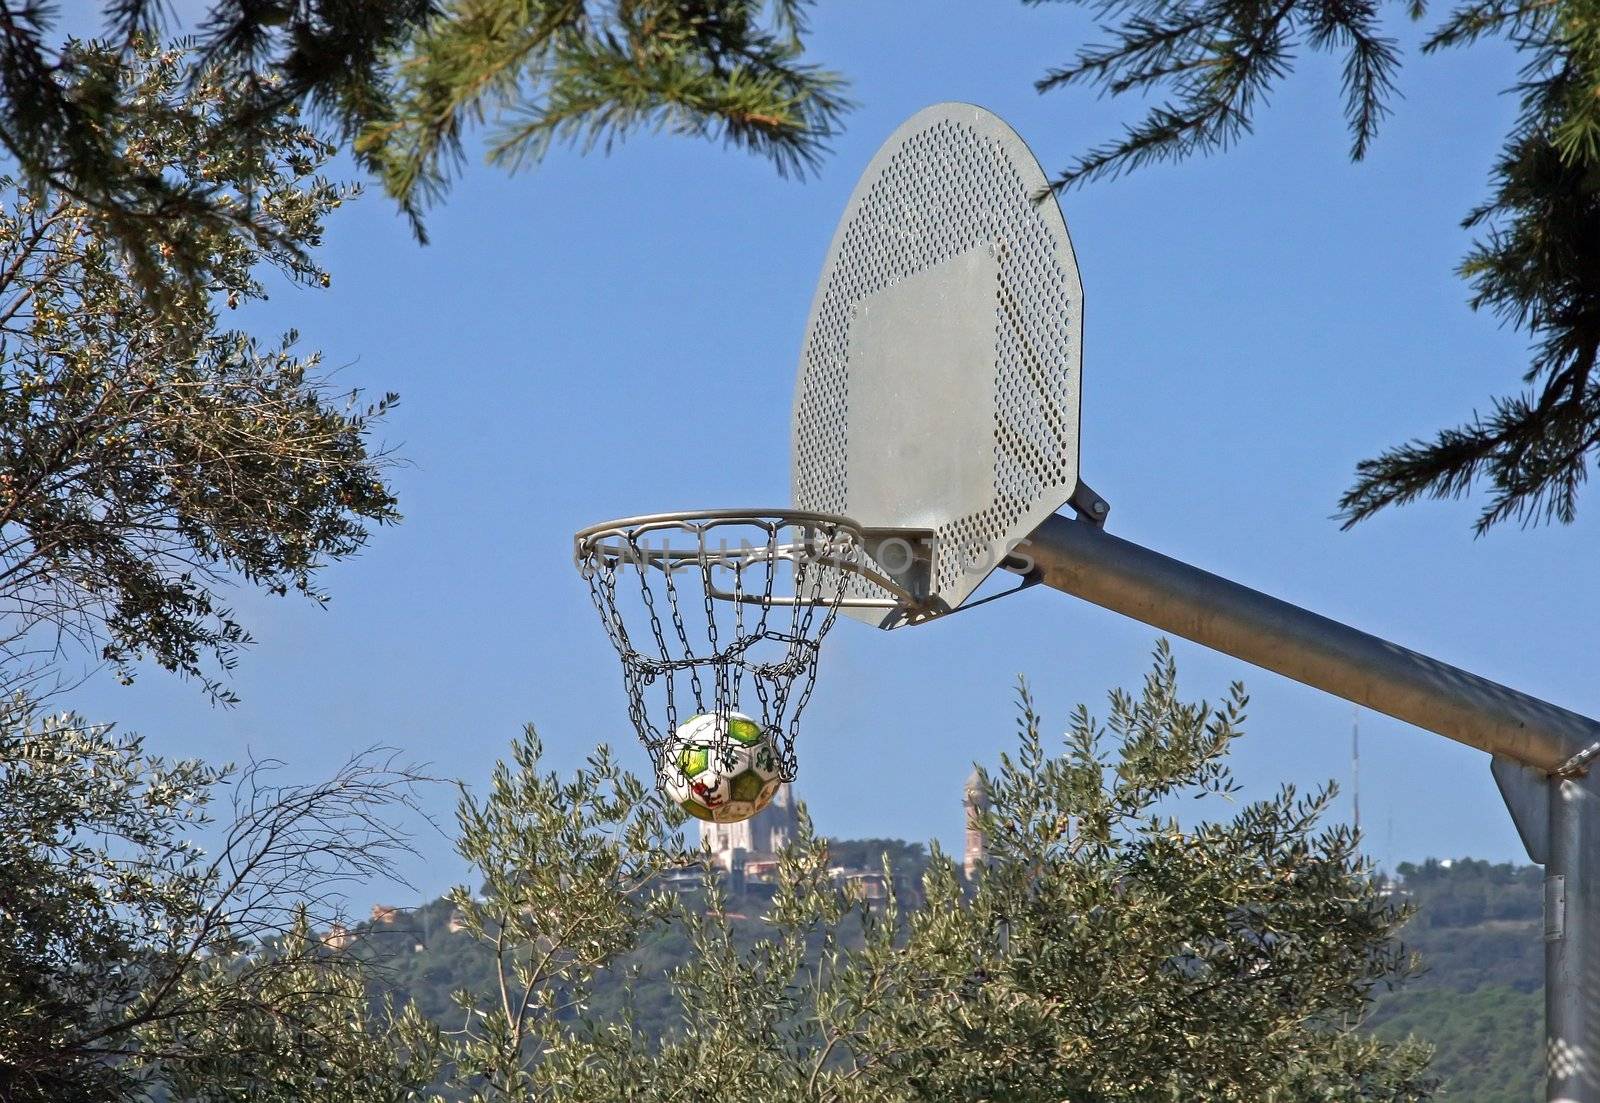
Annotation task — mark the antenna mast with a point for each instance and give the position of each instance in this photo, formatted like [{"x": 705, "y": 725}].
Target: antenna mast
[{"x": 1355, "y": 768}]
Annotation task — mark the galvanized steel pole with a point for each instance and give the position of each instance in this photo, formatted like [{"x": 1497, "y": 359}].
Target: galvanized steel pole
[
  {"x": 1572, "y": 942},
  {"x": 1079, "y": 558}
]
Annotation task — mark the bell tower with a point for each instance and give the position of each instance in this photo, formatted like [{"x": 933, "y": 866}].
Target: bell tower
[{"x": 976, "y": 801}]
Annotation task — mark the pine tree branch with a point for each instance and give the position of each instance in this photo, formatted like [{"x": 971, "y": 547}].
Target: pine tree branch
[
  {"x": 589, "y": 75},
  {"x": 1536, "y": 266}
]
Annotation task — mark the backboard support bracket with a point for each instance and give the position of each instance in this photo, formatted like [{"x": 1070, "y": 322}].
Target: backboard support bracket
[
  {"x": 1526, "y": 791},
  {"x": 1090, "y": 506},
  {"x": 1030, "y": 578}
]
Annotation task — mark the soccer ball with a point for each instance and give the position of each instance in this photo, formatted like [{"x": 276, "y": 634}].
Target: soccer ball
[{"x": 726, "y": 783}]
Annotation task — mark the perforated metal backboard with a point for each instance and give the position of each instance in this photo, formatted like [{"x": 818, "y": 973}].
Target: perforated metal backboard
[{"x": 938, "y": 385}]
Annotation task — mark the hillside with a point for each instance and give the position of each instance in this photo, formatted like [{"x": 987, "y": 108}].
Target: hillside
[
  {"x": 1480, "y": 999},
  {"x": 1477, "y": 929}
]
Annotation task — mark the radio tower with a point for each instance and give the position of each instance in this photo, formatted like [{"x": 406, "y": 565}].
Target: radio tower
[{"x": 1355, "y": 769}]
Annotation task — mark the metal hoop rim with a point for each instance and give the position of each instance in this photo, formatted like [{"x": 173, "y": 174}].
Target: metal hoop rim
[
  {"x": 586, "y": 537},
  {"x": 590, "y": 541}
]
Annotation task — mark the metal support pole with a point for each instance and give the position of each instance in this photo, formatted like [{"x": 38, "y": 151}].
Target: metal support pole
[
  {"x": 1087, "y": 562},
  {"x": 1572, "y": 942},
  {"x": 1081, "y": 559}
]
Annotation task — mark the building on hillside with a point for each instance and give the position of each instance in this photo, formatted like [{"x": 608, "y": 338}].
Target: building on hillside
[
  {"x": 681, "y": 880},
  {"x": 757, "y": 838},
  {"x": 762, "y": 871},
  {"x": 976, "y": 801},
  {"x": 868, "y": 886},
  {"x": 385, "y": 913},
  {"x": 749, "y": 849}
]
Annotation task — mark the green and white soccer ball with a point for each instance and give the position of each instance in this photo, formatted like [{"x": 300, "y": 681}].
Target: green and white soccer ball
[{"x": 723, "y": 784}]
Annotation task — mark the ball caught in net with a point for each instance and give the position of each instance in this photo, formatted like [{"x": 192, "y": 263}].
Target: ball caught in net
[{"x": 721, "y": 771}]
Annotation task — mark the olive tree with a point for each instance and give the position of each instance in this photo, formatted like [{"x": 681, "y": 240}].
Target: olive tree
[
  {"x": 1115, "y": 949},
  {"x": 133, "y": 962},
  {"x": 1139, "y": 933},
  {"x": 569, "y": 872},
  {"x": 149, "y": 451}
]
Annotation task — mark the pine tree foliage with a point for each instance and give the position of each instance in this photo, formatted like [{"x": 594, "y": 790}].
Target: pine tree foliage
[
  {"x": 1535, "y": 265},
  {"x": 1537, "y": 268},
  {"x": 1217, "y": 60},
  {"x": 64, "y": 107},
  {"x": 400, "y": 82},
  {"x": 589, "y": 74}
]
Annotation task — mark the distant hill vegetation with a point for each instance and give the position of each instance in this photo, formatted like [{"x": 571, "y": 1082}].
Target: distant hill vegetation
[
  {"x": 1480, "y": 999},
  {"x": 1477, "y": 929}
]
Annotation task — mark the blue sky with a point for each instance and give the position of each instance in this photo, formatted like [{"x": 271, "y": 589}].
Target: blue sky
[{"x": 617, "y": 334}]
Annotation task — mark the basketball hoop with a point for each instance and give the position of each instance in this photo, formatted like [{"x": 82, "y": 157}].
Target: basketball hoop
[
  {"x": 711, "y": 608},
  {"x": 934, "y": 428}
]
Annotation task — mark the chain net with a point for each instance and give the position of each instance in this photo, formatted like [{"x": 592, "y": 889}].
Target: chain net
[{"x": 718, "y": 615}]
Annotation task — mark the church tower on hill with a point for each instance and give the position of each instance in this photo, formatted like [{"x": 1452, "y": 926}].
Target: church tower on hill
[{"x": 976, "y": 801}]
